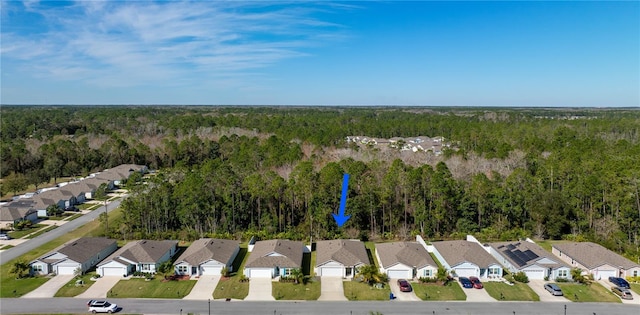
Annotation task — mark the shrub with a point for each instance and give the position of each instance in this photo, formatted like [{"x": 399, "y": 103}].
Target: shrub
[
  {"x": 510, "y": 278},
  {"x": 427, "y": 279},
  {"x": 562, "y": 280},
  {"x": 521, "y": 277}
]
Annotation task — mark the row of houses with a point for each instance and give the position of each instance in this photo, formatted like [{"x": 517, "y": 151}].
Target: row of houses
[
  {"x": 339, "y": 258},
  {"x": 34, "y": 205}
]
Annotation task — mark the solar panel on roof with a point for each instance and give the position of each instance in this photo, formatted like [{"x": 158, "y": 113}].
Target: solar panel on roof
[
  {"x": 530, "y": 255},
  {"x": 517, "y": 260}
]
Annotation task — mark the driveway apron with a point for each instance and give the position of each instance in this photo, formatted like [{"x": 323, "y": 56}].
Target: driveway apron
[
  {"x": 331, "y": 289},
  {"x": 608, "y": 285},
  {"x": 538, "y": 287},
  {"x": 401, "y": 296},
  {"x": 100, "y": 288},
  {"x": 203, "y": 289},
  {"x": 49, "y": 288},
  {"x": 478, "y": 295},
  {"x": 260, "y": 289}
]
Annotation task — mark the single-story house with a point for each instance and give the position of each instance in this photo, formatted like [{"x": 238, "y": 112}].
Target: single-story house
[
  {"x": 467, "y": 258},
  {"x": 143, "y": 255},
  {"x": 79, "y": 255},
  {"x": 76, "y": 191},
  {"x": 90, "y": 186},
  {"x": 273, "y": 258},
  {"x": 207, "y": 256},
  {"x": 595, "y": 259},
  {"x": 406, "y": 260},
  {"x": 530, "y": 258},
  {"x": 340, "y": 258},
  {"x": 16, "y": 211},
  {"x": 121, "y": 172},
  {"x": 63, "y": 199}
]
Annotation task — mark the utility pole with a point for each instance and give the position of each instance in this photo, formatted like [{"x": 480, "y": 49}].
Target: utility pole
[{"x": 106, "y": 219}]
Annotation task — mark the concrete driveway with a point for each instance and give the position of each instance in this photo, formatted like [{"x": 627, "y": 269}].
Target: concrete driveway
[
  {"x": 608, "y": 285},
  {"x": 331, "y": 289},
  {"x": 477, "y": 295},
  {"x": 203, "y": 289},
  {"x": 538, "y": 287},
  {"x": 401, "y": 296},
  {"x": 260, "y": 289},
  {"x": 49, "y": 288},
  {"x": 100, "y": 288}
]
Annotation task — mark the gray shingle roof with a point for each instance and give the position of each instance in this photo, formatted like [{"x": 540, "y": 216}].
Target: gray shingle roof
[
  {"x": 410, "y": 254},
  {"x": 457, "y": 252},
  {"x": 524, "y": 254},
  {"x": 346, "y": 252},
  {"x": 592, "y": 255},
  {"x": 143, "y": 251},
  {"x": 16, "y": 210},
  {"x": 81, "y": 249},
  {"x": 287, "y": 254},
  {"x": 206, "y": 249}
]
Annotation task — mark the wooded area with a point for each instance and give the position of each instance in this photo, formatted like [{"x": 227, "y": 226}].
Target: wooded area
[{"x": 277, "y": 171}]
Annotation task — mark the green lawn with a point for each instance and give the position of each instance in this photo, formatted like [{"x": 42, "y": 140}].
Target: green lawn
[
  {"x": 154, "y": 289},
  {"x": 232, "y": 288},
  {"x": 437, "y": 292},
  {"x": 71, "y": 289},
  {"x": 371, "y": 252},
  {"x": 42, "y": 231},
  {"x": 504, "y": 292},
  {"x": 359, "y": 291},
  {"x": 587, "y": 293},
  {"x": 291, "y": 291},
  {"x": 635, "y": 287},
  {"x": 25, "y": 232}
]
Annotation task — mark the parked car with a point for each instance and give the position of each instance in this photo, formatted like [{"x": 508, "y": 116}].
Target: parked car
[
  {"x": 72, "y": 208},
  {"x": 622, "y": 292},
  {"x": 96, "y": 306},
  {"x": 404, "y": 285},
  {"x": 5, "y": 237},
  {"x": 553, "y": 288},
  {"x": 466, "y": 283},
  {"x": 476, "y": 282},
  {"x": 619, "y": 282}
]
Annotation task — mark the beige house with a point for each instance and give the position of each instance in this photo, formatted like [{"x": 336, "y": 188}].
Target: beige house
[
  {"x": 144, "y": 255},
  {"x": 207, "y": 256},
  {"x": 340, "y": 258},
  {"x": 405, "y": 260},
  {"x": 78, "y": 255},
  {"x": 596, "y": 260},
  {"x": 273, "y": 258}
]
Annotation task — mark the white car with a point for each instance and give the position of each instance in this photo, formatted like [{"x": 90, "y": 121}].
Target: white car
[
  {"x": 5, "y": 237},
  {"x": 101, "y": 307}
]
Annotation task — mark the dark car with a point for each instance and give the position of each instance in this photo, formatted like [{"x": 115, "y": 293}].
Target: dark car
[
  {"x": 553, "y": 288},
  {"x": 619, "y": 282},
  {"x": 72, "y": 208},
  {"x": 404, "y": 285},
  {"x": 476, "y": 282},
  {"x": 622, "y": 292},
  {"x": 466, "y": 283}
]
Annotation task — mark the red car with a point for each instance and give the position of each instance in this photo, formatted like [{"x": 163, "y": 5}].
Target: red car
[
  {"x": 476, "y": 282},
  {"x": 404, "y": 285}
]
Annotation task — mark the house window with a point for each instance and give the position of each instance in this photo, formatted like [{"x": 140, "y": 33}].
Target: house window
[
  {"x": 428, "y": 273},
  {"x": 182, "y": 269},
  {"x": 286, "y": 271},
  {"x": 37, "y": 268},
  {"x": 494, "y": 271},
  {"x": 563, "y": 273},
  {"x": 146, "y": 267},
  {"x": 635, "y": 273}
]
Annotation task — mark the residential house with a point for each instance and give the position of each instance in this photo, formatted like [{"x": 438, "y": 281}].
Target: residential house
[
  {"x": 466, "y": 258},
  {"x": 79, "y": 255},
  {"x": 273, "y": 258},
  {"x": 530, "y": 258},
  {"x": 340, "y": 258},
  {"x": 121, "y": 172},
  {"x": 406, "y": 260},
  {"x": 143, "y": 255},
  {"x": 595, "y": 259},
  {"x": 19, "y": 210},
  {"x": 207, "y": 256}
]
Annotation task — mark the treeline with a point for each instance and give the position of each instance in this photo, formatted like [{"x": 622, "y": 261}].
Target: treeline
[{"x": 237, "y": 170}]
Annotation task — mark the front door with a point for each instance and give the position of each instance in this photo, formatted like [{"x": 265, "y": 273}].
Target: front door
[
  {"x": 194, "y": 270},
  {"x": 349, "y": 271}
]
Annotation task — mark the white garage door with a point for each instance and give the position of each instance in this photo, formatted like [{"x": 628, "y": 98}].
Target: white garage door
[
  {"x": 398, "y": 274},
  {"x": 466, "y": 272},
  {"x": 536, "y": 274},
  {"x": 215, "y": 271},
  {"x": 113, "y": 271},
  {"x": 66, "y": 270},
  {"x": 260, "y": 273},
  {"x": 331, "y": 272},
  {"x": 604, "y": 274}
]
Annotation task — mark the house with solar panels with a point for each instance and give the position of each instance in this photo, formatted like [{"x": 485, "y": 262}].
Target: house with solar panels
[{"x": 528, "y": 257}]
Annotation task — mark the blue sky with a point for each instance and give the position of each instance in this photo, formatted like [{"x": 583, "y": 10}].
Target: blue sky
[{"x": 508, "y": 53}]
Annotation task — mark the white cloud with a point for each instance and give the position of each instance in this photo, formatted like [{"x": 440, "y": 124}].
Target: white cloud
[{"x": 142, "y": 43}]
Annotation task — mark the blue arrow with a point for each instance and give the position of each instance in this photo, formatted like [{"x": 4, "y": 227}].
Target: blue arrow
[{"x": 340, "y": 218}]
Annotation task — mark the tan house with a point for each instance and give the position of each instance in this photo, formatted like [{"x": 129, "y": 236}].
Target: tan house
[
  {"x": 144, "y": 256},
  {"x": 207, "y": 256},
  {"x": 466, "y": 259},
  {"x": 78, "y": 255},
  {"x": 405, "y": 260},
  {"x": 340, "y": 258},
  {"x": 595, "y": 259},
  {"x": 273, "y": 258}
]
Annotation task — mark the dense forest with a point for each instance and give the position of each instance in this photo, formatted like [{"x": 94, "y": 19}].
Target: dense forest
[{"x": 546, "y": 173}]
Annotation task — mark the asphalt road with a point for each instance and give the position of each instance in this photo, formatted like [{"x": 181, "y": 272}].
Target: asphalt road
[
  {"x": 162, "y": 306},
  {"x": 41, "y": 239}
]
